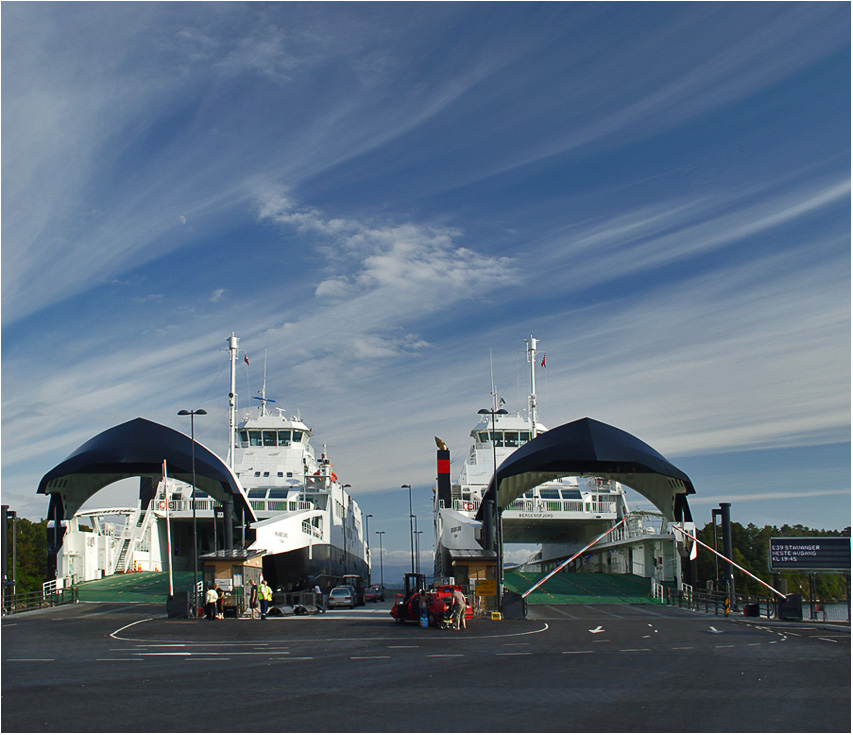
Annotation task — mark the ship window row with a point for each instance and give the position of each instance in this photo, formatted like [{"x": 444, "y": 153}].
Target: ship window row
[
  {"x": 270, "y": 438},
  {"x": 504, "y": 438},
  {"x": 554, "y": 494},
  {"x": 258, "y": 473},
  {"x": 275, "y": 492}
]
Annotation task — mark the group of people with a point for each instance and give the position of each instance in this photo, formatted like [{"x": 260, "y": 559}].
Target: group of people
[
  {"x": 260, "y": 595},
  {"x": 214, "y": 602},
  {"x": 457, "y": 610}
]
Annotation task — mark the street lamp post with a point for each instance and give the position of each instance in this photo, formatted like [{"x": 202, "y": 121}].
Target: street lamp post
[
  {"x": 411, "y": 532},
  {"x": 418, "y": 548},
  {"x": 367, "y": 541},
  {"x": 417, "y": 552},
  {"x": 498, "y": 522},
  {"x": 192, "y": 415},
  {"x": 344, "y": 487},
  {"x": 381, "y": 567}
]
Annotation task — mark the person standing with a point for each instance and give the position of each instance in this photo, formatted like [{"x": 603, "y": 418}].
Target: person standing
[
  {"x": 423, "y": 607},
  {"x": 220, "y": 603},
  {"x": 265, "y": 597},
  {"x": 253, "y": 597},
  {"x": 210, "y": 602},
  {"x": 459, "y": 605},
  {"x": 318, "y": 598}
]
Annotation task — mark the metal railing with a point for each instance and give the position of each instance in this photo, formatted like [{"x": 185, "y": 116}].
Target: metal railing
[
  {"x": 717, "y": 603},
  {"x": 26, "y": 601}
]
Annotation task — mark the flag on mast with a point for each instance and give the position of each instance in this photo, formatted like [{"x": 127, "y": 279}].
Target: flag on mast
[
  {"x": 246, "y": 357},
  {"x": 543, "y": 360}
]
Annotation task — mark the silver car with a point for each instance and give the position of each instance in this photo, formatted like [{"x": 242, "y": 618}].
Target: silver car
[{"x": 342, "y": 597}]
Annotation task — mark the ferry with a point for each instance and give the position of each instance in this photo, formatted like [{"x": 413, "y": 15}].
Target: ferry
[
  {"x": 561, "y": 516},
  {"x": 309, "y": 528}
]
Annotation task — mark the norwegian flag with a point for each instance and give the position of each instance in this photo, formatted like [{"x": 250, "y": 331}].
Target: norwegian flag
[
  {"x": 246, "y": 357},
  {"x": 543, "y": 360}
]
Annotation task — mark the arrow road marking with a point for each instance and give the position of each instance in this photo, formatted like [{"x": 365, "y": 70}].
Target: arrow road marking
[
  {"x": 599, "y": 629},
  {"x": 714, "y": 630}
]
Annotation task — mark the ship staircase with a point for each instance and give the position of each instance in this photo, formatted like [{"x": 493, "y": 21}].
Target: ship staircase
[{"x": 134, "y": 532}]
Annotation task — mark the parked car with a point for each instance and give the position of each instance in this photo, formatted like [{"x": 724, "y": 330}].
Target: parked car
[
  {"x": 342, "y": 597},
  {"x": 374, "y": 593}
]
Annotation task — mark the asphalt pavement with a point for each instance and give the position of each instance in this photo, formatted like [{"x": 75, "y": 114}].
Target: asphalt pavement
[{"x": 575, "y": 668}]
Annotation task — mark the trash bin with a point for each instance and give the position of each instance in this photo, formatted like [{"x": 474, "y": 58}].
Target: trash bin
[
  {"x": 752, "y": 610},
  {"x": 791, "y": 608},
  {"x": 178, "y": 605},
  {"x": 514, "y": 606},
  {"x": 229, "y": 611}
]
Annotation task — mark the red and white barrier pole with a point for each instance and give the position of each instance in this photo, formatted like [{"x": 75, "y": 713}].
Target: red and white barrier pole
[
  {"x": 749, "y": 574},
  {"x": 568, "y": 561}
]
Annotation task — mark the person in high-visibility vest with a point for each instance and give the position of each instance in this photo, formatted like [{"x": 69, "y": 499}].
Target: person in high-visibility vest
[{"x": 265, "y": 597}]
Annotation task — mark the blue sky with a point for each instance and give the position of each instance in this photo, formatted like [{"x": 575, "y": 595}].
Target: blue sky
[{"x": 379, "y": 195}]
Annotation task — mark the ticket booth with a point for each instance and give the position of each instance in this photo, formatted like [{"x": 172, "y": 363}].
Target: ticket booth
[{"x": 232, "y": 570}]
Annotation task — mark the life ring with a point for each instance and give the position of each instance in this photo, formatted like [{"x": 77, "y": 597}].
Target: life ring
[
  {"x": 334, "y": 477},
  {"x": 162, "y": 505}
]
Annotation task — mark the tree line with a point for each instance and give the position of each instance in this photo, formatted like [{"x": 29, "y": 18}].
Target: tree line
[{"x": 750, "y": 549}]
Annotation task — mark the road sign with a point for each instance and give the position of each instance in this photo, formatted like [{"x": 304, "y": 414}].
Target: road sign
[
  {"x": 485, "y": 587},
  {"x": 811, "y": 554}
]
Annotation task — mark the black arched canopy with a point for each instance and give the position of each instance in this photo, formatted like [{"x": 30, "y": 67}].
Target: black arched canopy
[
  {"x": 590, "y": 448},
  {"x": 137, "y": 448}
]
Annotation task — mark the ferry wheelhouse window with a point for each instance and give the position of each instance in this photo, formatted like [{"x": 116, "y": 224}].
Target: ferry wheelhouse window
[
  {"x": 498, "y": 438},
  {"x": 283, "y": 438},
  {"x": 484, "y": 437},
  {"x": 572, "y": 494},
  {"x": 257, "y": 492},
  {"x": 525, "y": 437},
  {"x": 278, "y": 492},
  {"x": 297, "y": 436},
  {"x": 549, "y": 494},
  {"x": 254, "y": 438},
  {"x": 270, "y": 439},
  {"x": 511, "y": 439}
]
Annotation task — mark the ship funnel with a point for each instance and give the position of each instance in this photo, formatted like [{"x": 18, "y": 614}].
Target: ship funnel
[{"x": 442, "y": 474}]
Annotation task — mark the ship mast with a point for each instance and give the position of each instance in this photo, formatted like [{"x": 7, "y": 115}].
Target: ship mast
[
  {"x": 232, "y": 401},
  {"x": 531, "y": 405}
]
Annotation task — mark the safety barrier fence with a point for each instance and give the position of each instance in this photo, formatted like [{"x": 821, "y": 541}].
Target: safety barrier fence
[
  {"x": 754, "y": 605},
  {"x": 26, "y": 601}
]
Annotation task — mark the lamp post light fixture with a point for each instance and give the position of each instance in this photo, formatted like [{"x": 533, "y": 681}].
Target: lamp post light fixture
[
  {"x": 411, "y": 531},
  {"x": 498, "y": 522},
  {"x": 192, "y": 415},
  {"x": 381, "y": 567}
]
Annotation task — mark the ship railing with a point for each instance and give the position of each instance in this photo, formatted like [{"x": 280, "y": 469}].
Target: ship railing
[
  {"x": 280, "y": 505},
  {"x": 177, "y": 506},
  {"x": 310, "y": 529},
  {"x": 466, "y": 505},
  {"x": 541, "y": 505}
]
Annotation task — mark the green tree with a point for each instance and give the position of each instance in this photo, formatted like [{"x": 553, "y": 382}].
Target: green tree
[
  {"x": 31, "y": 554},
  {"x": 750, "y": 548}
]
